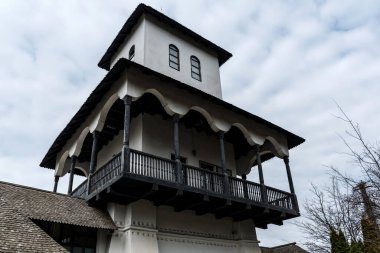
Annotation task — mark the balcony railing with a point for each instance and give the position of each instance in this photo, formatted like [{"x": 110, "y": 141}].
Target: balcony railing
[
  {"x": 165, "y": 170},
  {"x": 152, "y": 166},
  {"x": 106, "y": 173}
]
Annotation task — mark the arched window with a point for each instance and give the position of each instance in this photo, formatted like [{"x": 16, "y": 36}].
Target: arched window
[
  {"x": 195, "y": 68},
  {"x": 173, "y": 57},
  {"x": 131, "y": 52}
]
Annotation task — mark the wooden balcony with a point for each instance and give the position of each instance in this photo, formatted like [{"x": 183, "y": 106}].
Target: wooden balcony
[{"x": 186, "y": 187}]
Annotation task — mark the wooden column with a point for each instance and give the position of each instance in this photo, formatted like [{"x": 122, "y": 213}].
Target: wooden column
[
  {"x": 291, "y": 186},
  {"x": 177, "y": 156},
  {"x": 56, "y": 179},
  {"x": 73, "y": 162},
  {"x": 93, "y": 161},
  {"x": 290, "y": 180},
  {"x": 127, "y": 124},
  {"x": 245, "y": 188},
  {"x": 264, "y": 196},
  {"x": 223, "y": 163}
]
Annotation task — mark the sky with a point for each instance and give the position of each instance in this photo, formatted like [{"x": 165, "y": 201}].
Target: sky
[{"x": 293, "y": 62}]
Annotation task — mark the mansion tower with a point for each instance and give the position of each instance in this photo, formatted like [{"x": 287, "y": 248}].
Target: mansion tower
[{"x": 163, "y": 154}]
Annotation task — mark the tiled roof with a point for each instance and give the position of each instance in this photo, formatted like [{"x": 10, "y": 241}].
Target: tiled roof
[
  {"x": 20, "y": 234},
  {"x": 53, "y": 207}
]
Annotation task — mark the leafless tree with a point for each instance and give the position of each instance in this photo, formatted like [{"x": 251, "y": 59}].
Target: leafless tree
[
  {"x": 366, "y": 156},
  {"x": 339, "y": 206},
  {"x": 330, "y": 208}
]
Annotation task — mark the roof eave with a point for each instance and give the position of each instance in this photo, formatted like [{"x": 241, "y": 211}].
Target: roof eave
[{"x": 122, "y": 64}]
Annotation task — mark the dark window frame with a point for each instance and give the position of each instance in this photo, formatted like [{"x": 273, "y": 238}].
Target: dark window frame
[
  {"x": 174, "y": 57},
  {"x": 195, "y": 68},
  {"x": 131, "y": 52}
]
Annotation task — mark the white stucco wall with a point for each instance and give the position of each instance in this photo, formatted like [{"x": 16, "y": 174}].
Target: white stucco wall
[
  {"x": 114, "y": 147},
  {"x": 110, "y": 150},
  {"x": 152, "y": 40},
  {"x": 145, "y": 228},
  {"x": 157, "y": 41},
  {"x": 137, "y": 38},
  {"x": 158, "y": 140}
]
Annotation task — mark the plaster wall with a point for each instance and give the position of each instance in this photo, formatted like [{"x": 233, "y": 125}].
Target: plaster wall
[
  {"x": 152, "y": 40},
  {"x": 137, "y": 38},
  {"x": 114, "y": 147},
  {"x": 158, "y": 37},
  {"x": 194, "y": 146},
  {"x": 143, "y": 227}
]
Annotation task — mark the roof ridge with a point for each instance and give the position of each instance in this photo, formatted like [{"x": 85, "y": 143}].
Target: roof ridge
[
  {"x": 284, "y": 245},
  {"x": 35, "y": 189}
]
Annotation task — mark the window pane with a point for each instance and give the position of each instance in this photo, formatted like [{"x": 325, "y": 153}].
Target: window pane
[
  {"x": 131, "y": 52},
  {"x": 174, "y": 65},
  {"x": 195, "y": 68},
  {"x": 173, "y": 52},
  {"x": 173, "y": 57},
  {"x": 77, "y": 250},
  {"x": 195, "y": 76}
]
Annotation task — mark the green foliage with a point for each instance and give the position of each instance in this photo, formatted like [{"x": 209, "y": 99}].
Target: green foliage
[
  {"x": 356, "y": 247},
  {"x": 334, "y": 241},
  {"x": 339, "y": 243}
]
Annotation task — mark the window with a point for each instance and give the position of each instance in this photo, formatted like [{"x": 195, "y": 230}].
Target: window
[
  {"x": 131, "y": 52},
  {"x": 173, "y": 57},
  {"x": 195, "y": 68}
]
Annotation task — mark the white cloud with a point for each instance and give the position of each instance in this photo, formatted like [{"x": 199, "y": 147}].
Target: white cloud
[{"x": 292, "y": 59}]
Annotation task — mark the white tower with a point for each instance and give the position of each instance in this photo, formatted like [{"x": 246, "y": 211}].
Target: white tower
[{"x": 164, "y": 154}]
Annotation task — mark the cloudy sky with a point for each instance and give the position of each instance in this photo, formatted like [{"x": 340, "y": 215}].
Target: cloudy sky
[{"x": 292, "y": 61}]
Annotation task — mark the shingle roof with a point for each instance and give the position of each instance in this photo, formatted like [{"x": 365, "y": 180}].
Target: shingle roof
[
  {"x": 20, "y": 234},
  {"x": 142, "y": 9},
  {"x": 53, "y": 207}
]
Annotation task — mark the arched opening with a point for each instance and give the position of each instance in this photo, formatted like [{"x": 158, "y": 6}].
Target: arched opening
[
  {"x": 194, "y": 119},
  {"x": 238, "y": 140},
  {"x": 150, "y": 104}
]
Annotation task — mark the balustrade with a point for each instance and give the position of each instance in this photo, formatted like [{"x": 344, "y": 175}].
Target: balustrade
[{"x": 165, "y": 170}]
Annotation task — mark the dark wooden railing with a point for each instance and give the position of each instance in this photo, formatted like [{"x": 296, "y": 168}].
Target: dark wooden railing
[
  {"x": 152, "y": 166},
  {"x": 81, "y": 190},
  {"x": 203, "y": 179},
  {"x": 165, "y": 170},
  {"x": 106, "y": 173},
  {"x": 244, "y": 189},
  {"x": 279, "y": 198}
]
